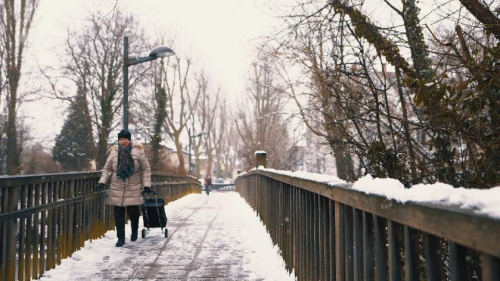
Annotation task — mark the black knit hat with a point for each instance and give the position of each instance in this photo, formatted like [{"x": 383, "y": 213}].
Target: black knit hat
[{"x": 125, "y": 134}]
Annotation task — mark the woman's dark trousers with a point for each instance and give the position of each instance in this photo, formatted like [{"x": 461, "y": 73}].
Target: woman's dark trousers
[{"x": 133, "y": 214}]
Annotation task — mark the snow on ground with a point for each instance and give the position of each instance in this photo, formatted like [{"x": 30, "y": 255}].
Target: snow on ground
[{"x": 215, "y": 236}]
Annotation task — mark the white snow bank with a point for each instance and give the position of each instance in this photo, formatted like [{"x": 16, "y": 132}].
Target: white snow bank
[
  {"x": 322, "y": 178},
  {"x": 485, "y": 201}
]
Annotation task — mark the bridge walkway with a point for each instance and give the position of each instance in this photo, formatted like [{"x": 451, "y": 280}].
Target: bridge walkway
[{"x": 215, "y": 237}]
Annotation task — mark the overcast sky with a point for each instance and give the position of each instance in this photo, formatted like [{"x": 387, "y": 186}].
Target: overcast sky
[{"x": 219, "y": 35}]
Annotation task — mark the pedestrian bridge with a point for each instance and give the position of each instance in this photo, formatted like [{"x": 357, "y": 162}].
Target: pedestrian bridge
[
  {"x": 204, "y": 243},
  {"x": 51, "y": 225}
]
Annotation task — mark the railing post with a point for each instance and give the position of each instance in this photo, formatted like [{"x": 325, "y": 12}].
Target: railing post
[{"x": 260, "y": 159}]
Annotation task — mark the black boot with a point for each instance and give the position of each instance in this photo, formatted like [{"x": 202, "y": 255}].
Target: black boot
[
  {"x": 134, "y": 234},
  {"x": 133, "y": 213},
  {"x": 120, "y": 225},
  {"x": 120, "y": 242}
]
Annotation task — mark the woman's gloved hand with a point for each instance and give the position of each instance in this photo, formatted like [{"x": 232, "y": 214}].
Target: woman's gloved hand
[
  {"x": 147, "y": 190},
  {"x": 101, "y": 186}
]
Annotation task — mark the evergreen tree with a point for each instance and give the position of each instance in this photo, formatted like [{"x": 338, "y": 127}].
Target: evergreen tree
[{"x": 75, "y": 147}]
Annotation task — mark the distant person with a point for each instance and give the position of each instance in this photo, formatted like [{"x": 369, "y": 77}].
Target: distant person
[
  {"x": 208, "y": 184},
  {"x": 128, "y": 169}
]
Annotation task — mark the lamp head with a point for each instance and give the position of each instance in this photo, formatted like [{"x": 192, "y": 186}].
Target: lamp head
[{"x": 161, "y": 51}]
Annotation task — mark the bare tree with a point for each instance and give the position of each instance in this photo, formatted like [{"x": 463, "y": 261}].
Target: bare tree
[
  {"x": 430, "y": 119},
  {"x": 176, "y": 77},
  {"x": 218, "y": 133},
  {"x": 229, "y": 147},
  {"x": 37, "y": 161},
  {"x": 16, "y": 21},
  {"x": 95, "y": 66},
  {"x": 204, "y": 119},
  {"x": 260, "y": 123}
]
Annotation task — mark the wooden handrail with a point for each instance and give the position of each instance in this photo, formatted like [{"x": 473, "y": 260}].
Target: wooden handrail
[
  {"x": 45, "y": 218},
  {"x": 325, "y": 231}
]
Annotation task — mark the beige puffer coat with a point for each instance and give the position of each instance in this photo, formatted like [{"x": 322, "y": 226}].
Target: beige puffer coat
[{"x": 128, "y": 192}]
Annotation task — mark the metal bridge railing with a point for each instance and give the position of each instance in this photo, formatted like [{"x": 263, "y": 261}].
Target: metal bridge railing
[
  {"x": 329, "y": 232},
  {"x": 223, "y": 186},
  {"x": 45, "y": 218}
]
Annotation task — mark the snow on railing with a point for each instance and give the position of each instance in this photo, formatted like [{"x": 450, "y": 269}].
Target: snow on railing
[{"x": 329, "y": 229}]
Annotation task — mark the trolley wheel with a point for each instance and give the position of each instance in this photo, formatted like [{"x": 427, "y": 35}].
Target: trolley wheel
[
  {"x": 143, "y": 233},
  {"x": 166, "y": 233}
]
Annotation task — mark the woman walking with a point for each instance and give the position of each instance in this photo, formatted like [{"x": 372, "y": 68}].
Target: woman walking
[
  {"x": 128, "y": 169},
  {"x": 208, "y": 184}
]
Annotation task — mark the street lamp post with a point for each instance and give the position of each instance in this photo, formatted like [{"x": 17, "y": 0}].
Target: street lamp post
[
  {"x": 192, "y": 137},
  {"x": 156, "y": 52}
]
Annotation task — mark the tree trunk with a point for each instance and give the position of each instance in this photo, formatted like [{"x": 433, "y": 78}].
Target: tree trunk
[
  {"x": 219, "y": 166},
  {"x": 406, "y": 127},
  {"x": 210, "y": 163},
  {"x": 180, "y": 155},
  {"x": 102, "y": 148},
  {"x": 155, "y": 146},
  {"x": 484, "y": 15},
  {"x": 14, "y": 30},
  {"x": 196, "y": 160},
  {"x": 13, "y": 165},
  {"x": 343, "y": 161},
  {"x": 161, "y": 113}
]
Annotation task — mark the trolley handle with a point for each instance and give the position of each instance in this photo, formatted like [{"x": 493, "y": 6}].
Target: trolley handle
[{"x": 148, "y": 192}]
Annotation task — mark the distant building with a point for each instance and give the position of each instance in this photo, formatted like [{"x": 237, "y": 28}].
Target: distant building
[{"x": 310, "y": 155}]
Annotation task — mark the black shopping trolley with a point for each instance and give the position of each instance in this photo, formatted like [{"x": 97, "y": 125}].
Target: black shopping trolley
[{"x": 153, "y": 213}]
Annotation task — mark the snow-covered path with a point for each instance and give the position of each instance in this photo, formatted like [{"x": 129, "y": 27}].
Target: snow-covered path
[{"x": 216, "y": 237}]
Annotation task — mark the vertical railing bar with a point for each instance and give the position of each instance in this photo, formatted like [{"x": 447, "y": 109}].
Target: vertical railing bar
[
  {"x": 315, "y": 225},
  {"x": 326, "y": 239},
  {"x": 3, "y": 234},
  {"x": 43, "y": 231},
  {"x": 59, "y": 216},
  {"x": 349, "y": 253},
  {"x": 368, "y": 246},
  {"x": 83, "y": 204},
  {"x": 64, "y": 221},
  {"x": 412, "y": 261},
  {"x": 50, "y": 212},
  {"x": 13, "y": 202},
  {"x": 458, "y": 264},
  {"x": 300, "y": 238},
  {"x": 332, "y": 239},
  {"x": 293, "y": 222},
  {"x": 22, "y": 236},
  {"x": 303, "y": 253},
  {"x": 36, "y": 224},
  {"x": 78, "y": 218},
  {"x": 358, "y": 245},
  {"x": 432, "y": 258},
  {"x": 393, "y": 230},
  {"x": 322, "y": 238},
  {"x": 340, "y": 241},
  {"x": 288, "y": 226},
  {"x": 309, "y": 239},
  {"x": 380, "y": 248},
  {"x": 29, "y": 235},
  {"x": 71, "y": 216},
  {"x": 491, "y": 267}
]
